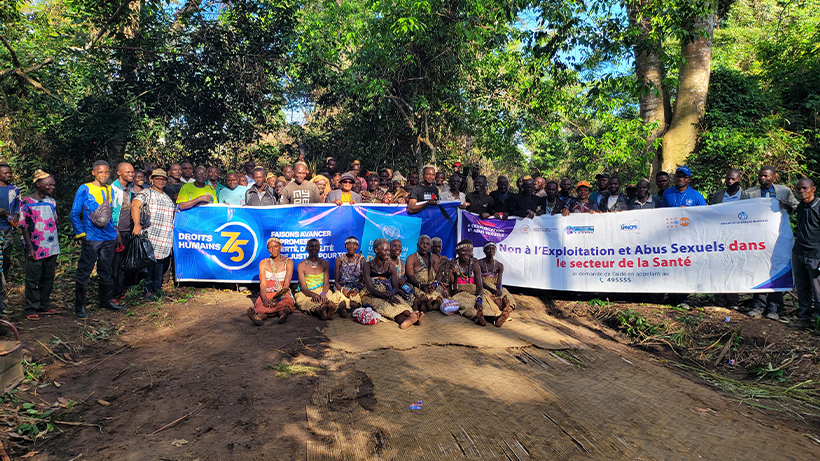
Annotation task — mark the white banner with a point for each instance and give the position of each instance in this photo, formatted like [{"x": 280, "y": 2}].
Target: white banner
[{"x": 737, "y": 247}]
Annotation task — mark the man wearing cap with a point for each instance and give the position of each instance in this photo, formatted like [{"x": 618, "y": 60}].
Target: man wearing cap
[
  {"x": 159, "y": 233},
  {"x": 345, "y": 192},
  {"x": 197, "y": 192},
  {"x": 261, "y": 194},
  {"x": 732, "y": 192},
  {"x": 42, "y": 245},
  {"x": 603, "y": 187},
  {"x": 9, "y": 215},
  {"x": 682, "y": 195},
  {"x": 121, "y": 193},
  {"x": 582, "y": 203},
  {"x": 770, "y": 303},
  {"x": 501, "y": 195},
  {"x": 93, "y": 226},
  {"x": 300, "y": 191},
  {"x": 526, "y": 204},
  {"x": 425, "y": 193}
]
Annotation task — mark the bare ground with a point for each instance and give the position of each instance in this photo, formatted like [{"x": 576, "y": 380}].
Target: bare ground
[{"x": 196, "y": 361}]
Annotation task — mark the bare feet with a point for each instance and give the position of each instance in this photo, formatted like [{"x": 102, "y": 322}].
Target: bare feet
[
  {"x": 342, "y": 310},
  {"x": 479, "y": 318},
  {"x": 254, "y": 318},
  {"x": 421, "y": 316},
  {"x": 321, "y": 312},
  {"x": 330, "y": 308},
  {"x": 505, "y": 314},
  {"x": 414, "y": 317},
  {"x": 283, "y": 316}
]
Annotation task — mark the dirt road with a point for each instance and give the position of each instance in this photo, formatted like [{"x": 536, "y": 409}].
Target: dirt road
[{"x": 539, "y": 388}]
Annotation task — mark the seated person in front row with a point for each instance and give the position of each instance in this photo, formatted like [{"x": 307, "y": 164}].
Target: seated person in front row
[
  {"x": 383, "y": 292},
  {"x": 421, "y": 269},
  {"x": 395, "y": 259},
  {"x": 491, "y": 273},
  {"x": 348, "y": 278},
  {"x": 314, "y": 284},
  {"x": 467, "y": 289},
  {"x": 435, "y": 248},
  {"x": 275, "y": 274}
]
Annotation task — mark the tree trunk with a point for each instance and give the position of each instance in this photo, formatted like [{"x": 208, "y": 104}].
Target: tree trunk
[
  {"x": 693, "y": 85},
  {"x": 650, "y": 72}
]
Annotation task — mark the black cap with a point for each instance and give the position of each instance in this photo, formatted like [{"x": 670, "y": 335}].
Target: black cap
[{"x": 602, "y": 175}]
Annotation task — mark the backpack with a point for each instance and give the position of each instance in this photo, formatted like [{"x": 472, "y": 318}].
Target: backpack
[{"x": 102, "y": 215}]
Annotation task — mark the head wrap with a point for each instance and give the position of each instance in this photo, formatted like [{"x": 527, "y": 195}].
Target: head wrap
[
  {"x": 326, "y": 190},
  {"x": 351, "y": 239},
  {"x": 40, "y": 174},
  {"x": 273, "y": 239},
  {"x": 464, "y": 244},
  {"x": 488, "y": 244}
]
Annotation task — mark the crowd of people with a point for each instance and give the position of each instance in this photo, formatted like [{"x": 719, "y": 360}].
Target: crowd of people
[{"x": 107, "y": 212}]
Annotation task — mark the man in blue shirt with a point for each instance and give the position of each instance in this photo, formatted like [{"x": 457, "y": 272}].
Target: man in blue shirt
[
  {"x": 678, "y": 197},
  {"x": 98, "y": 241},
  {"x": 9, "y": 216},
  {"x": 682, "y": 195}
]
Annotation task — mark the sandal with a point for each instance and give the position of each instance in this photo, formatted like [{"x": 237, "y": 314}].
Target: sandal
[
  {"x": 254, "y": 318},
  {"x": 32, "y": 317},
  {"x": 50, "y": 311}
]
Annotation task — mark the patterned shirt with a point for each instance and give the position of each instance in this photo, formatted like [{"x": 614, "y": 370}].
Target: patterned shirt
[
  {"x": 40, "y": 218},
  {"x": 161, "y": 231}
]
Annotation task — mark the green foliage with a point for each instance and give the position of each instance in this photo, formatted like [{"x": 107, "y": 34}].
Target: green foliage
[
  {"x": 286, "y": 370},
  {"x": 635, "y": 325}
]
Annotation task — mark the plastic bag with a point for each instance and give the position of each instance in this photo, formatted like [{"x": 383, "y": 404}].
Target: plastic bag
[
  {"x": 140, "y": 254},
  {"x": 366, "y": 316},
  {"x": 449, "y": 306}
]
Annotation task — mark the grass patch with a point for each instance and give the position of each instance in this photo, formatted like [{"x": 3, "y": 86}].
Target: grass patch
[
  {"x": 796, "y": 401},
  {"x": 635, "y": 325},
  {"x": 286, "y": 370}
]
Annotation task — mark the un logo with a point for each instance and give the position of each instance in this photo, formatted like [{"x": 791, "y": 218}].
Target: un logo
[
  {"x": 742, "y": 216},
  {"x": 391, "y": 232},
  {"x": 240, "y": 246}
]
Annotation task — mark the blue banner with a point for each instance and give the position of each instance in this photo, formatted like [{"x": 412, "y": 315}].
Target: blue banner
[{"x": 222, "y": 243}]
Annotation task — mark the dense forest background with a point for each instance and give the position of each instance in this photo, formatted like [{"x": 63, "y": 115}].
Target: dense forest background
[{"x": 565, "y": 87}]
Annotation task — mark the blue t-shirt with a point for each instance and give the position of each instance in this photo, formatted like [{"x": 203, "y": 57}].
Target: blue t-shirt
[
  {"x": 9, "y": 201},
  {"x": 233, "y": 196},
  {"x": 673, "y": 198}
]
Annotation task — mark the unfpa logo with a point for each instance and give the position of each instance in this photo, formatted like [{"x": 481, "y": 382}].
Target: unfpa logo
[
  {"x": 672, "y": 223},
  {"x": 240, "y": 247}
]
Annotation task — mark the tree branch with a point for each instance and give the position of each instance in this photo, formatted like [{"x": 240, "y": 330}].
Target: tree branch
[{"x": 15, "y": 61}]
